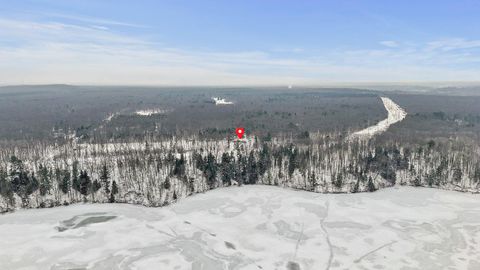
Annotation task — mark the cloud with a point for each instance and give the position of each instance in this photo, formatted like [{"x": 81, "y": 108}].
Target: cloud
[
  {"x": 389, "y": 43},
  {"x": 92, "y": 20},
  {"x": 30, "y": 32},
  {"x": 453, "y": 44},
  {"x": 59, "y": 52}
]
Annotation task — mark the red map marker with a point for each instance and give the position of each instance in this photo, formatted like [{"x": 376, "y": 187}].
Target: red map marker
[{"x": 240, "y": 131}]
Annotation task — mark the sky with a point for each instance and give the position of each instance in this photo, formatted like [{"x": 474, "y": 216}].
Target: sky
[{"x": 238, "y": 42}]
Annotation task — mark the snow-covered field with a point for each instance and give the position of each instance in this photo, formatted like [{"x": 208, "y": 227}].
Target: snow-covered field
[
  {"x": 253, "y": 227},
  {"x": 151, "y": 112},
  {"x": 395, "y": 114},
  {"x": 221, "y": 101}
]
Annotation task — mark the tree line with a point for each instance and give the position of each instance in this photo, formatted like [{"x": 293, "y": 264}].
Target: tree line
[{"x": 157, "y": 173}]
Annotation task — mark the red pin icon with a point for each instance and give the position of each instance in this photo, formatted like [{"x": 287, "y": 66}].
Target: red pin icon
[{"x": 240, "y": 131}]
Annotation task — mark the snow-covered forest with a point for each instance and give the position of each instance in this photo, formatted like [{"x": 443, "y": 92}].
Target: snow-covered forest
[
  {"x": 161, "y": 145},
  {"x": 156, "y": 172}
]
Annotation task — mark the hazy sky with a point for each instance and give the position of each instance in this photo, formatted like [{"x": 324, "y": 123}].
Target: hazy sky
[{"x": 238, "y": 42}]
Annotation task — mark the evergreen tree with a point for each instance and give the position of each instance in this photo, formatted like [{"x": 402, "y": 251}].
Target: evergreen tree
[
  {"x": 104, "y": 179},
  {"x": 476, "y": 175},
  {"x": 370, "y": 186},
  {"x": 252, "y": 173},
  {"x": 417, "y": 182},
  {"x": 439, "y": 172},
  {"x": 170, "y": 158},
  {"x": 264, "y": 160},
  {"x": 339, "y": 180},
  {"x": 210, "y": 171},
  {"x": 241, "y": 174},
  {"x": 58, "y": 177},
  {"x": 227, "y": 169},
  {"x": 94, "y": 187},
  {"x": 167, "y": 184},
  {"x": 114, "y": 191},
  {"x": 16, "y": 167},
  {"x": 430, "y": 145},
  {"x": 45, "y": 182},
  {"x": 312, "y": 181},
  {"x": 292, "y": 161},
  {"x": 75, "y": 176},
  {"x": 84, "y": 183},
  {"x": 6, "y": 189},
  {"x": 199, "y": 162},
  {"x": 22, "y": 183},
  {"x": 65, "y": 183},
  {"x": 179, "y": 168},
  {"x": 430, "y": 179},
  {"x": 356, "y": 187},
  {"x": 457, "y": 174}
]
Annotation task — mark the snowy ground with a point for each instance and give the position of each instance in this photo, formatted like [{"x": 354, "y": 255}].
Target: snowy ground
[
  {"x": 395, "y": 114},
  {"x": 150, "y": 112},
  {"x": 253, "y": 227}
]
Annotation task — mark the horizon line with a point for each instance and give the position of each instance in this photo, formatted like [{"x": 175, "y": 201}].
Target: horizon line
[{"x": 326, "y": 84}]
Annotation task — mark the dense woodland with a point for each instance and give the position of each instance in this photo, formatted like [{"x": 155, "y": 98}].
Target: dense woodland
[
  {"x": 47, "y": 113},
  {"x": 66, "y": 144},
  {"x": 158, "y": 172}
]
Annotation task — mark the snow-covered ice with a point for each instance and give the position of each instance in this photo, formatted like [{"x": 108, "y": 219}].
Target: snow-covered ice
[
  {"x": 395, "y": 114},
  {"x": 253, "y": 227}
]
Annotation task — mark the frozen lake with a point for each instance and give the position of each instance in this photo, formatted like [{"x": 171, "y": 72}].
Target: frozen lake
[{"x": 253, "y": 227}]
